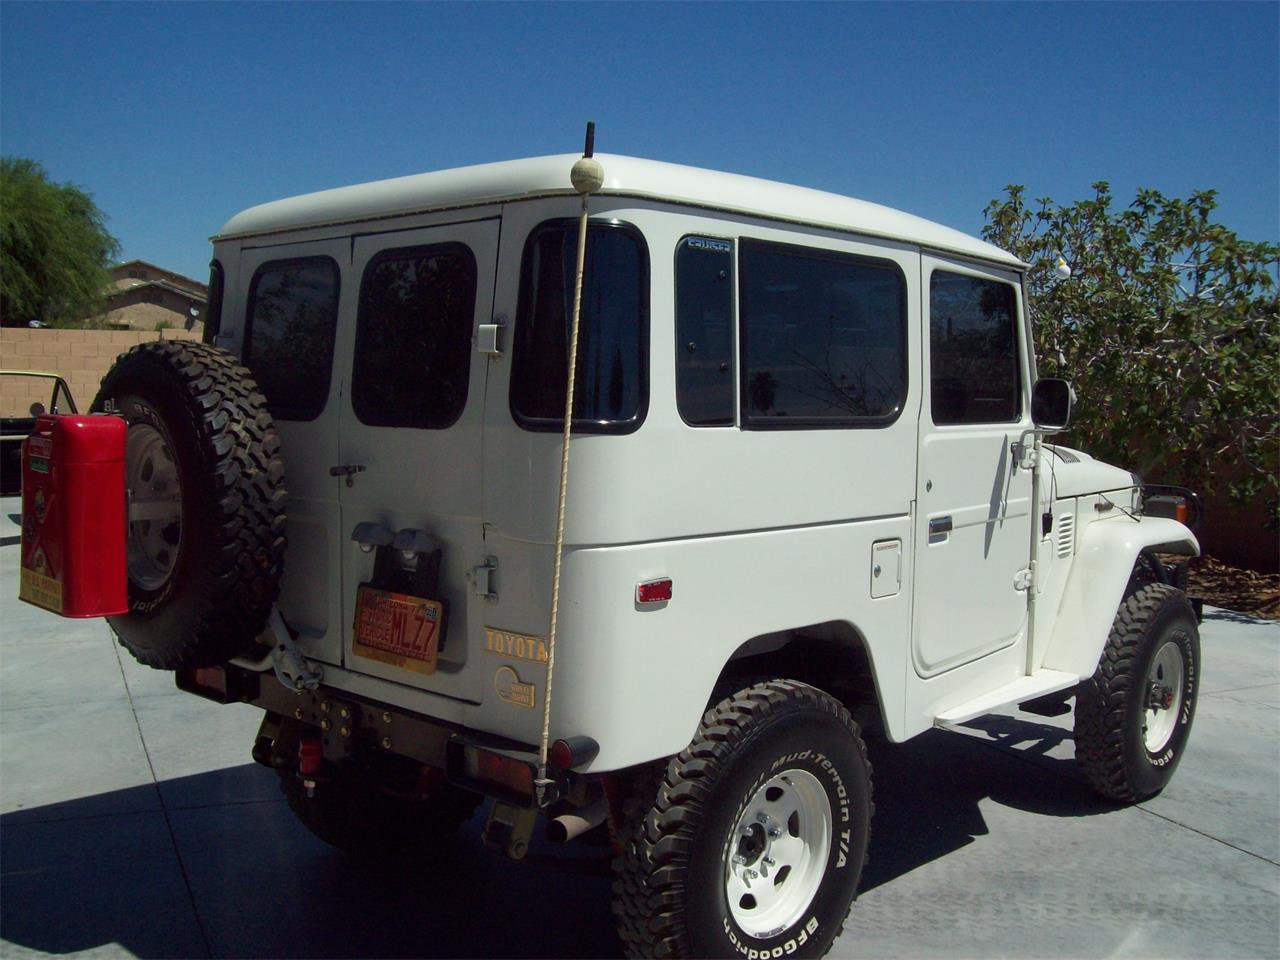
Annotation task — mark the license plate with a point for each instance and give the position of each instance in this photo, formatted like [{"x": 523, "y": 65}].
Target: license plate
[{"x": 398, "y": 629}]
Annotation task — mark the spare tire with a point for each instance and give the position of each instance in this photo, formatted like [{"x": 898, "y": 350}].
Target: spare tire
[{"x": 206, "y": 528}]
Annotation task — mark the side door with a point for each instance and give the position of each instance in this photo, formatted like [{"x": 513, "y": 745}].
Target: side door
[
  {"x": 974, "y": 514},
  {"x": 411, "y": 424},
  {"x": 294, "y": 296}
]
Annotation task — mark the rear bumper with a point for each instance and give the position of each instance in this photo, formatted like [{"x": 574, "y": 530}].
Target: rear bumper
[{"x": 351, "y": 726}]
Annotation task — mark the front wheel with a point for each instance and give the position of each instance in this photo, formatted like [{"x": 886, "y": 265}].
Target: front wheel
[
  {"x": 751, "y": 841},
  {"x": 1134, "y": 716}
]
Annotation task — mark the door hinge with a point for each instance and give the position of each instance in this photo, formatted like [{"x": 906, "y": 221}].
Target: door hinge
[
  {"x": 482, "y": 579},
  {"x": 489, "y": 337},
  {"x": 1023, "y": 579}
]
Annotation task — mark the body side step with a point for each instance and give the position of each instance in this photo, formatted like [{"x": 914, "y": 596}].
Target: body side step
[{"x": 1039, "y": 684}]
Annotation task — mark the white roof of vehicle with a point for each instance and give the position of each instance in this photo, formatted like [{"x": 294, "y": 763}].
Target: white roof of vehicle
[{"x": 623, "y": 176}]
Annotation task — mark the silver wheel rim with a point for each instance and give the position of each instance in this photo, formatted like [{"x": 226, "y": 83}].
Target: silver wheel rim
[
  {"x": 1164, "y": 697},
  {"x": 778, "y": 853},
  {"x": 155, "y": 507}
]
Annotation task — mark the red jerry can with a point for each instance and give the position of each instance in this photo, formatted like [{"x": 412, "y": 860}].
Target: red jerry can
[{"x": 73, "y": 516}]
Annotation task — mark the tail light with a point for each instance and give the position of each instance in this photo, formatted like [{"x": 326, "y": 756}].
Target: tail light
[
  {"x": 218, "y": 684},
  {"x": 495, "y": 774},
  {"x": 572, "y": 752}
]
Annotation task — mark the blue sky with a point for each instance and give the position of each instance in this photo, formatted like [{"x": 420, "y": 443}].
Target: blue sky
[{"x": 176, "y": 116}]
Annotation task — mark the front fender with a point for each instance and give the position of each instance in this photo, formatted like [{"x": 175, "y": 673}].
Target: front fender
[{"x": 1104, "y": 559}]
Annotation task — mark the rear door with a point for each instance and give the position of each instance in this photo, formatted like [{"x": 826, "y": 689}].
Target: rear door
[
  {"x": 973, "y": 523},
  {"x": 410, "y": 431},
  {"x": 294, "y": 296}
]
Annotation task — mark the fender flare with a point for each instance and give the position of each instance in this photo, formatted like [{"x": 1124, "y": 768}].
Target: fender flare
[{"x": 1096, "y": 584}]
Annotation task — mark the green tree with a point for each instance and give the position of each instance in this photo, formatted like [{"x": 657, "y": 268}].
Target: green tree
[
  {"x": 55, "y": 250},
  {"x": 1169, "y": 327}
]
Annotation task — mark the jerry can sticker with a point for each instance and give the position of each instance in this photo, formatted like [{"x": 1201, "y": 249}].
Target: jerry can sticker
[{"x": 37, "y": 587}]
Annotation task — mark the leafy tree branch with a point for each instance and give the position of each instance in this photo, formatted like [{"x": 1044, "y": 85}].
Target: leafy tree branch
[{"x": 1169, "y": 327}]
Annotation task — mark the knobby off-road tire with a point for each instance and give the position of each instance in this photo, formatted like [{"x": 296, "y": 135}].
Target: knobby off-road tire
[
  {"x": 1133, "y": 717},
  {"x": 349, "y": 813},
  {"x": 776, "y": 748},
  {"x": 203, "y": 463}
]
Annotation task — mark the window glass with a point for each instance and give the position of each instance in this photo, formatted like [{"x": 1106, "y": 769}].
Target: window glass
[
  {"x": 973, "y": 350},
  {"x": 413, "y": 337},
  {"x": 293, "y": 308},
  {"x": 213, "y": 311},
  {"x": 704, "y": 331},
  {"x": 824, "y": 337},
  {"x": 610, "y": 386}
]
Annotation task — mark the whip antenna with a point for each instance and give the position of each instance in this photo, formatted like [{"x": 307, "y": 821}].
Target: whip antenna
[{"x": 587, "y": 176}]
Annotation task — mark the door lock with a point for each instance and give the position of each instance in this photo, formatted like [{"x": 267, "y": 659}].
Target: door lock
[{"x": 348, "y": 470}]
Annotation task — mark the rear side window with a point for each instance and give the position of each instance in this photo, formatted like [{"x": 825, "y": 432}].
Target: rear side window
[
  {"x": 704, "y": 331},
  {"x": 413, "y": 337},
  {"x": 973, "y": 350},
  {"x": 611, "y": 390},
  {"x": 288, "y": 344},
  {"x": 823, "y": 338}
]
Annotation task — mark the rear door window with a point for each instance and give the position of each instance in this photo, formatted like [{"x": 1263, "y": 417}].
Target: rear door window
[
  {"x": 611, "y": 389},
  {"x": 413, "y": 337},
  {"x": 213, "y": 311},
  {"x": 288, "y": 345}
]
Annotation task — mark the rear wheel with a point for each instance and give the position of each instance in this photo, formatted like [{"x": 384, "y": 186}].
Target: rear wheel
[
  {"x": 1134, "y": 716},
  {"x": 753, "y": 837}
]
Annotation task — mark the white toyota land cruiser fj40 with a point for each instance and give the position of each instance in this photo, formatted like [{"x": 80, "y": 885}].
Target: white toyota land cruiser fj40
[{"x": 806, "y": 493}]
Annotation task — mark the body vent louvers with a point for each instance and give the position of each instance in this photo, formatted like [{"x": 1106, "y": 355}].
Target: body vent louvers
[{"x": 1066, "y": 534}]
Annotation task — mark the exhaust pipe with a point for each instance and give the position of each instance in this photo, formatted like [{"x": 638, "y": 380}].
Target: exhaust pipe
[{"x": 564, "y": 828}]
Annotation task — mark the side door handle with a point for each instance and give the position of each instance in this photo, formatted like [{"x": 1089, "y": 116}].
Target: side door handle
[{"x": 938, "y": 526}]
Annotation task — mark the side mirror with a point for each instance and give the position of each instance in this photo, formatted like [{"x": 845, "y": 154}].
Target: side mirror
[{"x": 1051, "y": 402}]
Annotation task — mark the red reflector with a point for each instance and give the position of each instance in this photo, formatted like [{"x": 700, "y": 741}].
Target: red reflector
[
  {"x": 310, "y": 756},
  {"x": 654, "y": 591},
  {"x": 486, "y": 767},
  {"x": 211, "y": 678}
]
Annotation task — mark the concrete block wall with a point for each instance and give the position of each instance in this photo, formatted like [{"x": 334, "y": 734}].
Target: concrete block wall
[{"x": 81, "y": 357}]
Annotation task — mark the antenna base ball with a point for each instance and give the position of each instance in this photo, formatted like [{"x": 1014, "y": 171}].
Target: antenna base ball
[{"x": 587, "y": 176}]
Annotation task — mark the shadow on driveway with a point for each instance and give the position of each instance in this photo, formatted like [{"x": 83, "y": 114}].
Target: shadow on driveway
[{"x": 251, "y": 882}]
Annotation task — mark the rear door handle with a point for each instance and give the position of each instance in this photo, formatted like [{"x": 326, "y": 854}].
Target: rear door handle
[
  {"x": 348, "y": 470},
  {"x": 939, "y": 526}
]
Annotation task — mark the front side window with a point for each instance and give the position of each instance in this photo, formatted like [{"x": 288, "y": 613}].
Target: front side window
[
  {"x": 824, "y": 337},
  {"x": 291, "y": 316},
  {"x": 704, "y": 331},
  {"x": 973, "y": 350},
  {"x": 611, "y": 383},
  {"x": 413, "y": 337}
]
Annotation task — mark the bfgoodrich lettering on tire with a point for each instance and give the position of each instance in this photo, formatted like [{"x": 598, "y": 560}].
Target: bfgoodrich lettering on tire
[
  {"x": 206, "y": 529},
  {"x": 1133, "y": 717},
  {"x": 750, "y": 842}
]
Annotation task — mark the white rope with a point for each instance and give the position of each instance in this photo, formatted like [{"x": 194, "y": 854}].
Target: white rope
[{"x": 564, "y": 486}]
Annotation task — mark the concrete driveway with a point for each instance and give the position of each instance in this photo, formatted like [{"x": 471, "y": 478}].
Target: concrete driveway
[{"x": 132, "y": 823}]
